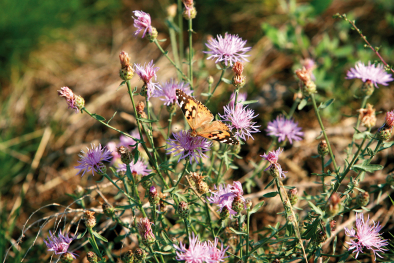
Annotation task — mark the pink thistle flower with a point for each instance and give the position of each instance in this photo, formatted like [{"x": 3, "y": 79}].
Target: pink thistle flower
[
  {"x": 197, "y": 252},
  {"x": 241, "y": 119},
  {"x": 216, "y": 255},
  {"x": 59, "y": 244},
  {"x": 111, "y": 146},
  {"x": 68, "y": 94},
  {"x": 145, "y": 230},
  {"x": 186, "y": 145},
  {"x": 142, "y": 22},
  {"x": 224, "y": 196},
  {"x": 282, "y": 128},
  {"x": 229, "y": 49},
  {"x": 168, "y": 91},
  {"x": 367, "y": 236},
  {"x": 272, "y": 157},
  {"x": 389, "y": 119},
  {"x": 92, "y": 159},
  {"x": 127, "y": 141},
  {"x": 138, "y": 168},
  {"x": 374, "y": 73},
  {"x": 146, "y": 74}
]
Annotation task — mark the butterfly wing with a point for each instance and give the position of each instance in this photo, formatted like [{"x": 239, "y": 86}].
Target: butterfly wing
[{"x": 218, "y": 131}]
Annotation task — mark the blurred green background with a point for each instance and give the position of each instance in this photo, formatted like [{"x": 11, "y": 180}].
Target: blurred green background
[{"x": 48, "y": 44}]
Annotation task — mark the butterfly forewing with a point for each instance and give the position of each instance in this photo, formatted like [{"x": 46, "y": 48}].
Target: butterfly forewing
[{"x": 218, "y": 131}]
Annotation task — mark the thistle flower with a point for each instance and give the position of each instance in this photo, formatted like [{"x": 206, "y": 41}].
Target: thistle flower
[
  {"x": 197, "y": 252},
  {"x": 272, "y": 157},
  {"x": 389, "y": 121},
  {"x": 224, "y": 196},
  {"x": 241, "y": 120},
  {"x": 309, "y": 65},
  {"x": 185, "y": 145},
  {"x": 146, "y": 73},
  {"x": 68, "y": 95},
  {"x": 92, "y": 159},
  {"x": 127, "y": 141},
  {"x": 138, "y": 168},
  {"x": 229, "y": 49},
  {"x": 282, "y": 128},
  {"x": 367, "y": 236},
  {"x": 216, "y": 255},
  {"x": 59, "y": 244},
  {"x": 142, "y": 22},
  {"x": 372, "y": 73},
  {"x": 168, "y": 91},
  {"x": 367, "y": 116},
  {"x": 145, "y": 231}
]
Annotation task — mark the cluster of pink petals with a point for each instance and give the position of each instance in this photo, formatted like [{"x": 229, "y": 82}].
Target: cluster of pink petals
[
  {"x": 91, "y": 160},
  {"x": 224, "y": 196},
  {"x": 284, "y": 128},
  {"x": 59, "y": 244},
  {"x": 68, "y": 94},
  {"x": 145, "y": 228},
  {"x": 272, "y": 157},
  {"x": 168, "y": 91},
  {"x": 374, "y": 73},
  {"x": 142, "y": 22},
  {"x": 389, "y": 119},
  {"x": 138, "y": 168},
  {"x": 146, "y": 74},
  {"x": 199, "y": 252},
  {"x": 367, "y": 236}
]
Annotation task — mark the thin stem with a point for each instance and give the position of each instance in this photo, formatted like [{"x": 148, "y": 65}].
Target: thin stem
[
  {"x": 187, "y": 227},
  {"x": 236, "y": 97},
  {"x": 241, "y": 237},
  {"x": 217, "y": 84},
  {"x": 135, "y": 190},
  {"x": 209, "y": 218},
  {"x": 191, "y": 53},
  {"x": 363, "y": 103},
  {"x": 183, "y": 174},
  {"x": 180, "y": 25},
  {"x": 94, "y": 245},
  {"x": 324, "y": 132},
  {"x": 123, "y": 192},
  {"x": 153, "y": 253},
  {"x": 247, "y": 235},
  {"x": 322, "y": 173}
]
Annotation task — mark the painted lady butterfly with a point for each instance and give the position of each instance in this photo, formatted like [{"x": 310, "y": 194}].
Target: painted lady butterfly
[{"x": 201, "y": 121}]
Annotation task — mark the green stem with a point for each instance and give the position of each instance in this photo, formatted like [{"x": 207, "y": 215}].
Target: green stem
[
  {"x": 180, "y": 25},
  {"x": 247, "y": 236},
  {"x": 183, "y": 173},
  {"x": 209, "y": 218},
  {"x": 363, "y": 103},
  {"x": 187, "y": 227},
  {"x": 191, "y": 53},
  {"x": 217, "y": 84},
  {"x": 123, "y": 192},
  {"x": 94, "y": 245},
  {"x": 293, "y": 108},
  {"x": 211, "y": 166},
  {"x": 135, "y": 190},
  {"x": 153, "y": 253},
  {"x": 322, "y": 173},
  {"x": 241, "y": 237},
  {"x": 236, "y": 97},
  {"x": 174, "y": 46},
  {"x": 324, "y": 132}
]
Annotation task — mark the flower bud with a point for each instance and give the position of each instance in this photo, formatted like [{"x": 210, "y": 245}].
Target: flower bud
[
  {"x": 305, "y": 76},
  {"x": 183, "y": 209},
  {"x": 140, "y": 254},
  {"x": 128, "y": 257},
  {"x": 215, "y": 146},
  {"x": 332, "y": 225},
  {"x": 321, "y": 236},
  {"x": 274, "y": 171},
  {"x": 334, "y": 206},
  {"x": 145, "y": 231},
  {"x": 108, "y": 210},
  {"x": 171, "y": 10},
  {"x": 248, "y": 204},
  {"x": 210, "y": 80},
  {"x": 78, "y": 191},
  {"x": 140, "y": 108},
  {"x": 101, "y": 168},
  {"x": 238, "y": 68},
  {"x": 202, "y": 187},
  {"x": 367, "y": 116},
  {"x": 79, "y": 102},
  {"x": 239, "y": 81},
  {"x": 322, "y": 149},
  {"x": 90, "y": 219},
  {"x": 92, "y": 257},
  {"x": 153, "y": 196},
  {"x": 390, "y": 179},
  {"x": 238, "y": 204},
  {"x": 225, "y": 213},
  {"x": 367, "y": 88},
  {"x": 189, "y": 13},
  {"x": 293, "y": 197},
  {"x": 389, "y": 119},
  {"x": 67, "y": 258},
  {"x": 384, "y": 133},
  {"x": 146, "y": 184},
  {"x": 153, "y": 34},
  {"x": 362, "y": 199},
  {"x": 125, "y": 155}
]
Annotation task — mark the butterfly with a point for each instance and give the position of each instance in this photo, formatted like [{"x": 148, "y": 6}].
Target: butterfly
[{"x": 200, "y": 119}]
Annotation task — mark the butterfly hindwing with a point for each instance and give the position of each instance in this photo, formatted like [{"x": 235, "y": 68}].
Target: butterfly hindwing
[{"x": 201, "y": 121}]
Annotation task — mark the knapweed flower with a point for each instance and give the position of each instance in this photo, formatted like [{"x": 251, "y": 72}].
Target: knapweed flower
[
  {"x": 59, "y": 244},
  {"x": 389, "y": 122},
  {"x": 185, "y": 145},
  {"x": 367, "y": 236},
  {"x": 229, "y": 49},
  {"x": 367, "y": 116},
  {"x": 138, "y": 168},
  {"x": 142, "y": 22},
  {"x": 146, "y": 73},
  {"x": 145, "y": 231},
  {"x": 92, "y": 159},
  {"x": 373, "y": 73},
  {"x": 272, "y": 157},
  {"x": 224, "y": 196},
  {"x": 284, "y": 128},
  {"x": 216, "y": 255},
  {"x": 240, "y": 118},
  {"x": 168, "y": 91},
  {"x": 68, "y": 95},
  {"x": 309, "y": 65},
  {"x": 127, "y": 141},
  {"x": 197, "y": 252}
]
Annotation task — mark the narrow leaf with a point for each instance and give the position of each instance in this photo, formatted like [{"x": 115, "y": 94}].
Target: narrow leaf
[
  {"x": 271, "y": 194},
  {"x": 99, "y": 236},
  {"x": 326, "y": 104},
  {"x": 256, "y": 207}
]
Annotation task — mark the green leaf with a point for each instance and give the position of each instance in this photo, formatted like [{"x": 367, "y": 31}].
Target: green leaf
[
  {"x": 168, "y": 248},
  {"x": 218, "y": 67},
  {"x": 269, "y": 184},
  {"x": 328, "y": 163},
  {"x": 256, "y": 208},
  {"x": 206, "y": 94},
  {"x": 246, "y": 102},
  {"x": 146, "y": 178},
  {"x": 368, "y": 167},
  {"x": 386, "y": 145},
  {"x": 162, "y": 40},
  {"x": 237, "y": 232},
  {"x": 271, "y": 194},
  {"x": 121, "y": 84},
  {"x": 136, "y": 155},
  {"x": 98, "y": 117},
  {"x": 303, "y": 103},
  {"x": 81, "y": 235},
  {"x": 361, "y": 135},
  {"x": 99, "y": 236},
  {"x": 168, "y": 190},
  {"x": 326, "y": 104},
  {"x": 227, "y": 81},
  {"x": 147, "y": 120},
  {"x": 112, "y": 117},
  {"x": 315, "y": 208}
]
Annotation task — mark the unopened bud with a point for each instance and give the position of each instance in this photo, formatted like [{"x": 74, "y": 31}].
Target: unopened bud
[
  {"x": 125, "y": 155},
  {"x": 225, "y": 213},
  {"x": 210, "y": 80},
  {"x": 389, "y": 119},
  {"x": 153, "y": 196},
  {"x": 239, "y": 81},
  {"x": 183, "y": 209},
  {"x": 238, "y": 68},
  {"x": 367, "y": 116},
  {"x": 101, "y": 168},
  {"x": 171, "y": 10},
  {"x": 274, "y": 171},
  {"x": 108, "y": 209},
  {"x": 305, "y": 76},
  {"x": 238, "y": 204},
  {"x": 322, "y": 149},
  {"x": 293, "y": 197},
  {"x": 189, "y": 13},
  {"x": 362, "y": 199},
  {"x": 79, "y": 102},
  {"x": 140, "y": 254},
  {"x": 79, "y": 190},
  {"x": 248, "y": 204},
  {"x": 140, "y": 108},
  {"x": 128, "y": 257},
  {"x": 67, "y": 258},
  {"x": 367, "y": 88},
  {"x": 92, "y": 257},
  {"x": 90, "y": 219},
  {"x": 384, "y": 133},
  {"x": 334, "y": 206},
  {"x": 153, "y": 34},
  {"x": 321, "y": 236}
]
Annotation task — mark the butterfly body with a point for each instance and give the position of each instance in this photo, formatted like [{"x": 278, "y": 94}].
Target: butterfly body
[{"x": 201, "y": 120}]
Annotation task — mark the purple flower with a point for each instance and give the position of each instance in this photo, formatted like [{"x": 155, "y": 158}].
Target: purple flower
[
  {"x": 59, "y": 244},
  {"x": 197, "y": 252},
  {"x": 142, "y": 22},
  {"x": 367, "y": 236},
  {"x": 216, "y": 255},
  {"x": 138, "y": 168},
  {"x": 127, "y": 141},
  {"x": 282, "y": 128},
  {"x": 372, "y": 73},
  {"x": 241, "y": 120},
  {"x": 272, "y": 157},
  {"x": 188, "y": 146},
  {"x": 241, "y": 97},
  {"x": 224, "y": 196},
  {"x": 229, "y": 49},
  {"x": 145, "y": 229},
  {"x": 168, "y": 91},
  {"x": 92, "y": 160},
  {"x": 68, "y": 95},
  {"x": 146, "y": 73}
]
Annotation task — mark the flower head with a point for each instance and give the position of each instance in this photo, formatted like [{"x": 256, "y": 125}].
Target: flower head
[
  {"x": 389, "y": 119},
  {"x": 146, "y": 73},
  {"x": 145, "y": 231},
  {"x": 229, "y": 49},
  {"x": 185, "y": 145},
  {"x": 367, "y": 116},
  {"x": 68, "y": 94},
  {"x": 59, "y": 244},
  {"x": 272, "y": 157},
  {"x": 142, "y": 22},
  {"x": 197, "y": 252},
  {"x": 168, "y": 91},
  {"x": 127, "y": 141},
  {"x": 241, "y": 120},
  {"x": 367, "y": 236},
  {"x": 224, "y": 196},
  {"x": 309, "y": 65},
  {"x": 138, "y": 168},
  {"x": 92, "y": 159},
  {"x": 282, "y": 128},
  {"x": 372, "y": 73},
  {"x": 216, "y": 255}
]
